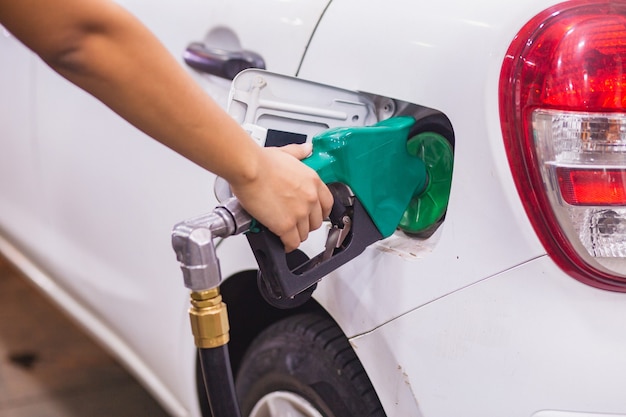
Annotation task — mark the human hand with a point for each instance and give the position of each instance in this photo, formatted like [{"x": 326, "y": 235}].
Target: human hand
[{"x": 286, "y": 196}]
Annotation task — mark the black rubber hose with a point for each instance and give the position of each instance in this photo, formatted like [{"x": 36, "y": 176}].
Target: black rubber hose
[{"x": 218, "y": 380}]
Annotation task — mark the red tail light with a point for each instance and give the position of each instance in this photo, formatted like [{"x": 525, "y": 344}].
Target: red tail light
[
  {"x": 563, "y": 113},
  {"x": 592, "y": 187}
]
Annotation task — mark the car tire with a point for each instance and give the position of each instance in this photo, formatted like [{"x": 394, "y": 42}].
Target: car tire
[{"x": 304, "y": 366}]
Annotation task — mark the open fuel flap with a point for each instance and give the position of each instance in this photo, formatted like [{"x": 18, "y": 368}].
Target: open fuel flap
[{"x": 387, "y": 162}]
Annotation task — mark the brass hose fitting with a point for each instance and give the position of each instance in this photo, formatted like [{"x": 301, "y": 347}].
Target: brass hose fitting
[{"x": 209, "y": 319}]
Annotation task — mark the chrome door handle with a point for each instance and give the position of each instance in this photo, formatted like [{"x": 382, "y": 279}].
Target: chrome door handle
[{"x": 219, "y": 62}]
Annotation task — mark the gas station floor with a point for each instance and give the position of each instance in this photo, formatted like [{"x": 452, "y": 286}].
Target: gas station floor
[{"x": 50, "y": 368}]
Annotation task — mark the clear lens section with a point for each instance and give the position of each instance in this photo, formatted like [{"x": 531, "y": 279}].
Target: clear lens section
[
  {"x": 601, "y": 231},
  {"x": 571, "y": 138},
  {"x": 585, "y": 141}
]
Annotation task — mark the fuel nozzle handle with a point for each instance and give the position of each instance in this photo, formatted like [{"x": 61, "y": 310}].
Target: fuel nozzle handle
[{"x": 285, "y": 285}]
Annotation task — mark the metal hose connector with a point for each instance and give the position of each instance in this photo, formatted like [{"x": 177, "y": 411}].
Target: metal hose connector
[
  {"x": 192, "y": 241},
  {"x": 209, "y": 319}
]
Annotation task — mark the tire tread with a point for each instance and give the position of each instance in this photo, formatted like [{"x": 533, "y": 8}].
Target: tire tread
[{"x": 318, "y": 333}]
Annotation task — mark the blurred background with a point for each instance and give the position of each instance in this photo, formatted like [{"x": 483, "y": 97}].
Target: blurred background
[{"x": 50, "y": 368}]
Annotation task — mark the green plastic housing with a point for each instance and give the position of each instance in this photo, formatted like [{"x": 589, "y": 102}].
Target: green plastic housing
[
  {"x": 428, "y": 206},
  {"x": 375, "y": 163}
]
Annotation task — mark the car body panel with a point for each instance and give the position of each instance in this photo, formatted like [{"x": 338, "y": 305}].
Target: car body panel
[
  {"x": 20, "y": 207},
  {"x": 484, "y": 208},
  {"x": 516, "y": 349},
  {"x": 278, "y": 31}
]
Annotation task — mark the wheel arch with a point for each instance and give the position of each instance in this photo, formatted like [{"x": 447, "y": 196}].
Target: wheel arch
[{"x": 249, "y": 313}]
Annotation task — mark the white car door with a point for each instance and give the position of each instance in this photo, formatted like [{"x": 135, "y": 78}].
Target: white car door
[
  {"x": 275, "y": 32},
  {"x": 113, "y": 193},
  {"x": 21, "y": 212}
]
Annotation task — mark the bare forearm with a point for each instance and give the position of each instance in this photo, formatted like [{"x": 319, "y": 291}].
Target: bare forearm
[
  {"x": 103, "y": 49},
  {"x": 116, "y": 59}
]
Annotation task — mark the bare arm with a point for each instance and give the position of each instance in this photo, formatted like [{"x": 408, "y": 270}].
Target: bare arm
[{"x": 100, "y": 47}]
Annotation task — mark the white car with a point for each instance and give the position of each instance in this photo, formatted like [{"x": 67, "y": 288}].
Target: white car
[{"x": 512, "y": 305}]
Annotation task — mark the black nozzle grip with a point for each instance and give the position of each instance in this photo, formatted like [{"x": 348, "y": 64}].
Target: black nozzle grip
[{"x": 283, "y": 282}]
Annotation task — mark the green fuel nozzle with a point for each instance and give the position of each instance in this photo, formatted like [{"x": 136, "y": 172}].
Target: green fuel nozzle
[
  {"x": 375, "y": 163},
  {"x": 381, "y": 179}
]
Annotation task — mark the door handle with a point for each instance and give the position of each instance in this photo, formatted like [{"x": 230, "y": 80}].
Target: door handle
[{"x": 220, "y": 62}]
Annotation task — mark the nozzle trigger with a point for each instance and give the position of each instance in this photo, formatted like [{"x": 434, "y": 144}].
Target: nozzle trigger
[{"x": 349, "y": 236}]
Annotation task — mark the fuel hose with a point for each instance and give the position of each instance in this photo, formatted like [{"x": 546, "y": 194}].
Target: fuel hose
[{"x": 218, "y": 380}]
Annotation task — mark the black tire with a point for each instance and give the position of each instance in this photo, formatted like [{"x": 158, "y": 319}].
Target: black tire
[{"x": 309, "y": 356}]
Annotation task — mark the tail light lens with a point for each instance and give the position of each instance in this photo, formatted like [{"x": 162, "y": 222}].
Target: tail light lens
[{"x": 563, "y": 113}]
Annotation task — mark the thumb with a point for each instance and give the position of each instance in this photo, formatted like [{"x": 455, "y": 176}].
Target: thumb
[{"x": 299, "y": 151}]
